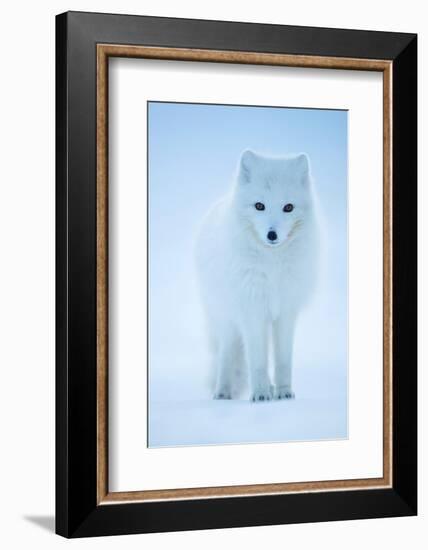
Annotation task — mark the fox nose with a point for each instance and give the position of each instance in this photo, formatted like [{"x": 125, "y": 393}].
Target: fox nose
[{"x": 272, "y": 236}]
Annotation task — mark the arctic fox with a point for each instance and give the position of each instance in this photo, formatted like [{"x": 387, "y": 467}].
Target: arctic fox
[{"x": 256, "y": 255}]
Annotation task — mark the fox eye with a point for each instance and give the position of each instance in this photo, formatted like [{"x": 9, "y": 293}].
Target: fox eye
[
  {"x": 259, "y": 206},
  {"x": 288, "y": 207}
]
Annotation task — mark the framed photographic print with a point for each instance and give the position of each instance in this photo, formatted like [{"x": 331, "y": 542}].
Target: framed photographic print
[{"x": 236, "y": 274}]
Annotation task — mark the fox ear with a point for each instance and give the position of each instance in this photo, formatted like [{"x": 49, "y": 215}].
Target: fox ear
[
  {"x": 246, "y": 167},
  {"x": 303, "y": 167}
]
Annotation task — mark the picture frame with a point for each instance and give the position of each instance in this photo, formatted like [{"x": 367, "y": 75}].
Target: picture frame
[{"x": 84, "y": 44}]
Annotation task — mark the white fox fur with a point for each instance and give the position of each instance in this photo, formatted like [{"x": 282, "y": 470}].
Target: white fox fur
[{"x": 254, "y": 286}]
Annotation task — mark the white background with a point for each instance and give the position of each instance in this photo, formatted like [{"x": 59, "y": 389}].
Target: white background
[
  {"x": 27, "y": 273},
  {"x": 357, "y": 456}
]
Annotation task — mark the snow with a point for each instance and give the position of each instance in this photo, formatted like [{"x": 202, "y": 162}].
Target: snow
[{"x": 318, "y": 412}]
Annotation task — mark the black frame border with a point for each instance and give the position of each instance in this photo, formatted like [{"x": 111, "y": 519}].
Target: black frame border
[{"x": 77, "y": 512}]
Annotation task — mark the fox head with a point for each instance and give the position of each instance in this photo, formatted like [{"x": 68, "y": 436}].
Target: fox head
[{"x": 273, "y": 195}]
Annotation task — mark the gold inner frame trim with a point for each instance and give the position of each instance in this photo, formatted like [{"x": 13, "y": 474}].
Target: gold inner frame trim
[{"x": 104, "y": 51}]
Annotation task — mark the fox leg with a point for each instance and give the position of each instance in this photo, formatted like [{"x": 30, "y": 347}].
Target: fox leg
[
  {"x": 256, "y": 349},
  {"x": 227, "y": 355},
  {"x": 283, "y": 338}
]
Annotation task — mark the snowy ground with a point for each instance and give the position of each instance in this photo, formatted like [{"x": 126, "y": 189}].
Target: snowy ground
[{"x": 182, "y": 411}]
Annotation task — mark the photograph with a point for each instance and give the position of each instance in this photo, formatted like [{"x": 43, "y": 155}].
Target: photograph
[{"x": 247, "y": 274}]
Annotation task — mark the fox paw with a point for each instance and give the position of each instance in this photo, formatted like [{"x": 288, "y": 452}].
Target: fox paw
[
  {"x": 261, "y": 394},
  {"x": 223, "y": 394},
  {"x": 284, "y": 392}
]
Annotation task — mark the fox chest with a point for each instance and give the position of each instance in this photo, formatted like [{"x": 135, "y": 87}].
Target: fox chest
[{"x": 264, "y": 288}]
